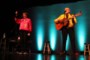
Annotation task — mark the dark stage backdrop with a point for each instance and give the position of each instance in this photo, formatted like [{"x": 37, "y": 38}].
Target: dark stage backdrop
[{"x": 44, "y": 27}]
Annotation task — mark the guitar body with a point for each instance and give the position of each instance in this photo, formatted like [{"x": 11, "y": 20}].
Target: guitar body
[
  {"x": 62, "y": 24},
  {"x": 59, "y": 26}
]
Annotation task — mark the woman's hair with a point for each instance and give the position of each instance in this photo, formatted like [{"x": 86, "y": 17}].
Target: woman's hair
[{"x": 25, "y": 13}]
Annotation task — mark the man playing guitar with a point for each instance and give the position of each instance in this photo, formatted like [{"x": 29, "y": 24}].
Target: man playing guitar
[{"x": 66, "y": 22}]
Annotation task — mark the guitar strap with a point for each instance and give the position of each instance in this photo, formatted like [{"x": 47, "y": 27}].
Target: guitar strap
[
  {"x": 66, "y": 19},
  {"x": 66, "y": 16},
  {"x": 73, "y": 21}
]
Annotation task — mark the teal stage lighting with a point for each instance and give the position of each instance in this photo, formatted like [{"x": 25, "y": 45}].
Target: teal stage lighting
[
  {"x": 67, "y": 58},
  {"x": 40, "y": 32},
  {"x": 39, "y": 57},
  {"x": 67, "y": 43},
  {"x": 53, "y": 57},
  {"x": 40, "y": 38},
  {"x": 82, "y": 58},
  {"x": 81, "y": 32},
  {"x": 52, "y": 35}
]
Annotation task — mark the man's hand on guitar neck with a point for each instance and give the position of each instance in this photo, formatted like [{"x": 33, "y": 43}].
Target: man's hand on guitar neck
[{"x": 78, "y": 14}]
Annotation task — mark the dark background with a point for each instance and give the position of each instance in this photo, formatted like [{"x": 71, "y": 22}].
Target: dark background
[{"x": 8, "y": 8}]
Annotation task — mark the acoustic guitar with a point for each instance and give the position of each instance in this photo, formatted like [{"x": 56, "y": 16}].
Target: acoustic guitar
[{"x": 62, "y": 23}]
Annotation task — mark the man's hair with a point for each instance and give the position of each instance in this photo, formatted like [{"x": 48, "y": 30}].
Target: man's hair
[{"x": 66, "y": 8}]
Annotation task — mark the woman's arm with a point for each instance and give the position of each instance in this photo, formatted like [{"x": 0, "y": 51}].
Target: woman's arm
[
  {"x": 30, "y": 25},
  {"x": 17, "y": 20}
]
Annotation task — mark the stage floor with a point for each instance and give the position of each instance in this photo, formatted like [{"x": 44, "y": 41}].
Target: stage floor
[{"x": 38, "y": 56}]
